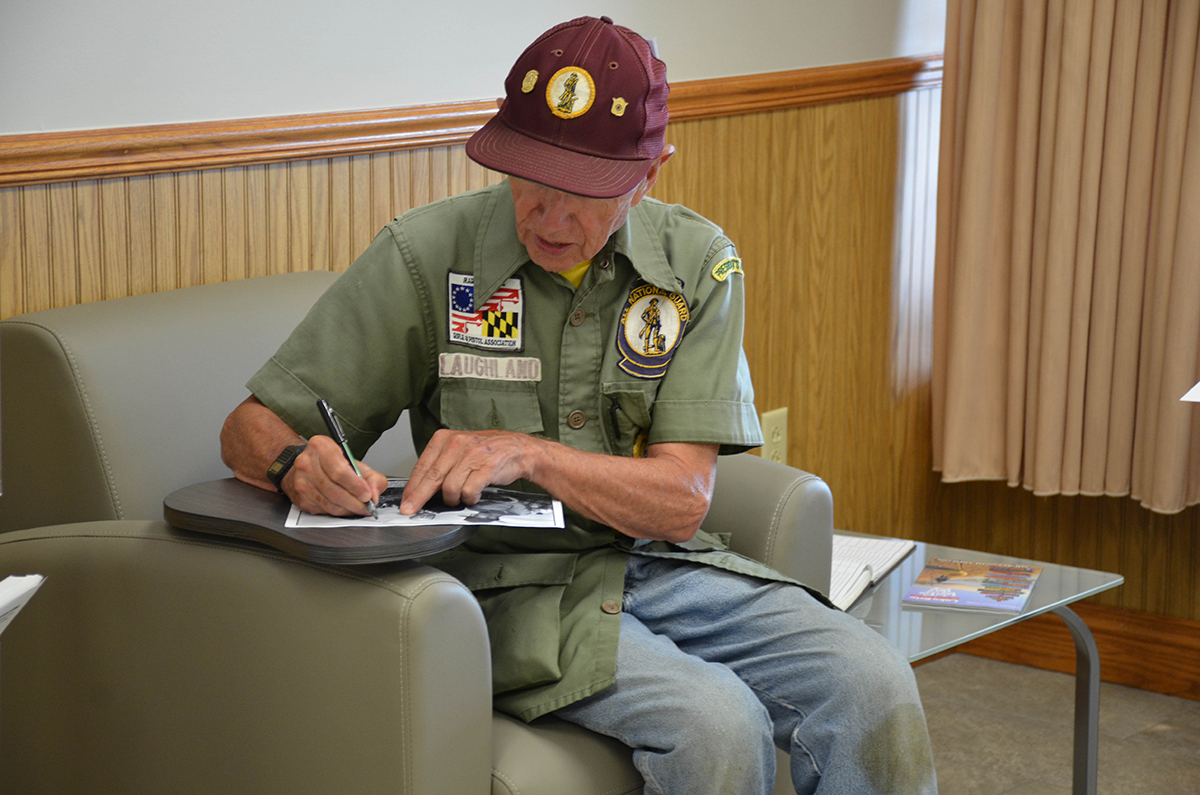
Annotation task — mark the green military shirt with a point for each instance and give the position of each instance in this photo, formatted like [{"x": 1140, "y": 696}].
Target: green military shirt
[{"x": 444, "y": 315}]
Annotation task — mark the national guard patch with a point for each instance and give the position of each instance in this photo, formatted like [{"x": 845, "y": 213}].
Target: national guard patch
[
  {"x": 726, "y": 267},
  {"x": 650, "y": 329},
  {"x": 494, "y": 325},
  {"x": 570, "y": 92}
]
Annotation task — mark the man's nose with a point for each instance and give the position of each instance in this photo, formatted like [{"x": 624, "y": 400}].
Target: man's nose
[{"x": 556, "y": 208}]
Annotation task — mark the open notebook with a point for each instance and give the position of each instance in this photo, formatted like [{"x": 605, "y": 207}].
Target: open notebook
[{"x": 861, "y": 561}]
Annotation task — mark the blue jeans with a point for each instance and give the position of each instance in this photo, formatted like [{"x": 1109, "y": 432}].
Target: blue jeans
[{"x": 714, "y": 669}]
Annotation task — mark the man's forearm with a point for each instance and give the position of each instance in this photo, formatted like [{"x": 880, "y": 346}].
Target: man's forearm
[
  {"x": 662, "y": 496},
  {"x": 320, "y": 480},
  {"x": 251, "y": 438}
]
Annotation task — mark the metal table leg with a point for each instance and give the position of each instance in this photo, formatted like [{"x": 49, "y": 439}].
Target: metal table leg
[{"x": 1087, "y": 702}]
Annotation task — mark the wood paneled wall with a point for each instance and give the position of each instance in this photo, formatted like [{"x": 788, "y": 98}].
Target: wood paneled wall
[
  {"x": 830, "y": 203},
  {"x": 808, "y": 196},
  {"x": 72, "y": 242}
]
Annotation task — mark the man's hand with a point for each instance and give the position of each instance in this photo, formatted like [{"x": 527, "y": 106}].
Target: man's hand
[
  {"x": 461, "y": 464},
  {"x": 664, "y": 495},
  {"x": 321, "y": 481}
]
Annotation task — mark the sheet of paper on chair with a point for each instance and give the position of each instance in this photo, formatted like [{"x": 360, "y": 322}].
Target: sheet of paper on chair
[
  {"x": 15, "y": 591},
  {"x": 495, "y": 506},
  {"x": 1193, "y": 394}
]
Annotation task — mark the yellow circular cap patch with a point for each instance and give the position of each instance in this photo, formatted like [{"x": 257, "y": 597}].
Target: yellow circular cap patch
[{"x": 570, "y": 92}]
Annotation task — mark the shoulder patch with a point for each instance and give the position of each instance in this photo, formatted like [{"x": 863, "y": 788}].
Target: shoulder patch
[
  {"x": 650, "y": 328},
  {"x": 726, "y": 267}
]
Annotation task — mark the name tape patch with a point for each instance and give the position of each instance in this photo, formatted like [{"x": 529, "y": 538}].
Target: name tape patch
[{"x": 489, "y": 368}]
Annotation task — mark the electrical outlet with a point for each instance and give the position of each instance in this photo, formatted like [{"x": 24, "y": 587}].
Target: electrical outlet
[{"x": 775, "y": 435}]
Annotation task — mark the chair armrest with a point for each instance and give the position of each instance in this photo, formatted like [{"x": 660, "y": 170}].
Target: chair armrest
[
  {"x": 776, "y": 514},
  {"x": 154, "y": 661}
]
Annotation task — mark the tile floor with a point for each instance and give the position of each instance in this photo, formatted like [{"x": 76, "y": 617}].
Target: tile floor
[{"x": 1004, "y": 729}]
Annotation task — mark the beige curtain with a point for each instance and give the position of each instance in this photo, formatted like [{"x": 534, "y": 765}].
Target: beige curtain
[{"x": 1067, "y": 288}]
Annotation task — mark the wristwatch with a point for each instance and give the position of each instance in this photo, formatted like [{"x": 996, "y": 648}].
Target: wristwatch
[{"x": 281, "y": 465}]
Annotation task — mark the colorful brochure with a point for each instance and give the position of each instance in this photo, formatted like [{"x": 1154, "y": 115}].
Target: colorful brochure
[{"x": 978, "y": 586}]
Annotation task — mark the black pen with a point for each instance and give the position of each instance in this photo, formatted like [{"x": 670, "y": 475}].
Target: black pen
[{"x": 339, "y": 436}]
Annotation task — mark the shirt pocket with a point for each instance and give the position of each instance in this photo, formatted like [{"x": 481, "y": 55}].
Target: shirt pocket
[
  {"x": 469, "y": 404},
  {"x": 521, "y": 598},
  {"x": 626, "y": 407}
]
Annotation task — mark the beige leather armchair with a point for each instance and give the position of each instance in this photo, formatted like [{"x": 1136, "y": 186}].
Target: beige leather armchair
[{"x": 154, "y": 660}]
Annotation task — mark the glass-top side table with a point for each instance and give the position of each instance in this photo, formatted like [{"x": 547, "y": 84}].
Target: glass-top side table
[{"x": 922, "y": 631}]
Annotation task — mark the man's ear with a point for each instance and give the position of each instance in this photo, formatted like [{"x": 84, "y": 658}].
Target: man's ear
[{"x": 651, "y": 177}]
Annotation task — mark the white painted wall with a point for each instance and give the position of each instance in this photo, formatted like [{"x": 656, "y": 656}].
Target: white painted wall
[{"x": 83, "y": 64}]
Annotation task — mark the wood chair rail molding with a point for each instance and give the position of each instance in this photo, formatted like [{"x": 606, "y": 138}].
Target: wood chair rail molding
[{"x": 40, "y": 158}]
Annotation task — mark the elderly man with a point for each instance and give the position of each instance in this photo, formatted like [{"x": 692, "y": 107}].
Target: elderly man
[{"x": 563, "y": 333}]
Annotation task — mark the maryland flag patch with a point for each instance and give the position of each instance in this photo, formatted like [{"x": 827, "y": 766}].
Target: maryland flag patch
[
  {"x": 500, "y": 325},
  {"x": 495, "y": 323}
]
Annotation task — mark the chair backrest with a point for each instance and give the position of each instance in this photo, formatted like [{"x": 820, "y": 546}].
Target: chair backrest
[{"x": 107, "y": 407}]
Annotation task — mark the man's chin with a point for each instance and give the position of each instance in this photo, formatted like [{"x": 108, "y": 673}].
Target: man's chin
[{"x": 559, "y": 264}]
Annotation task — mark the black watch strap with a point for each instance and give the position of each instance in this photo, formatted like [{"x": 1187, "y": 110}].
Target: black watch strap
[{"x": 283, "y": 463}]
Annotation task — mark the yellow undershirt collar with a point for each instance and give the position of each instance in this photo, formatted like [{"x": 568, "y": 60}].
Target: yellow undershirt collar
[{"x": 575, "y": 275}]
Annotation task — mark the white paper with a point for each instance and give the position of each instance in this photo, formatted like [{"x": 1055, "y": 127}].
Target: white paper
[
  {"x": 880, "y": 552},
  {"x": 15, "y": 591},
  {"x": 495, "y": 506},
  {"x": 852, "y": 555},
  {"x": 847, "y": 580},
  {"x": 1193, "y": 394}
]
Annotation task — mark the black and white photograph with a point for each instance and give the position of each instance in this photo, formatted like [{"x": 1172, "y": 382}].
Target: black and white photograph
[{"x": 495, "y": 507}]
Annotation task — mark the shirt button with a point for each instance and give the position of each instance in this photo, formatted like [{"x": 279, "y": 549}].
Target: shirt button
[
  {"x": 578, "y": 316},
  {"x": 611, "y": 606},
  {"x": 603, "y": 264},
  {"x": 576, "y": 420}
]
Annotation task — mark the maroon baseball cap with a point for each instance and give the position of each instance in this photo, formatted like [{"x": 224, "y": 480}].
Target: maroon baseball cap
[{"x": 585, "y": 111}]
